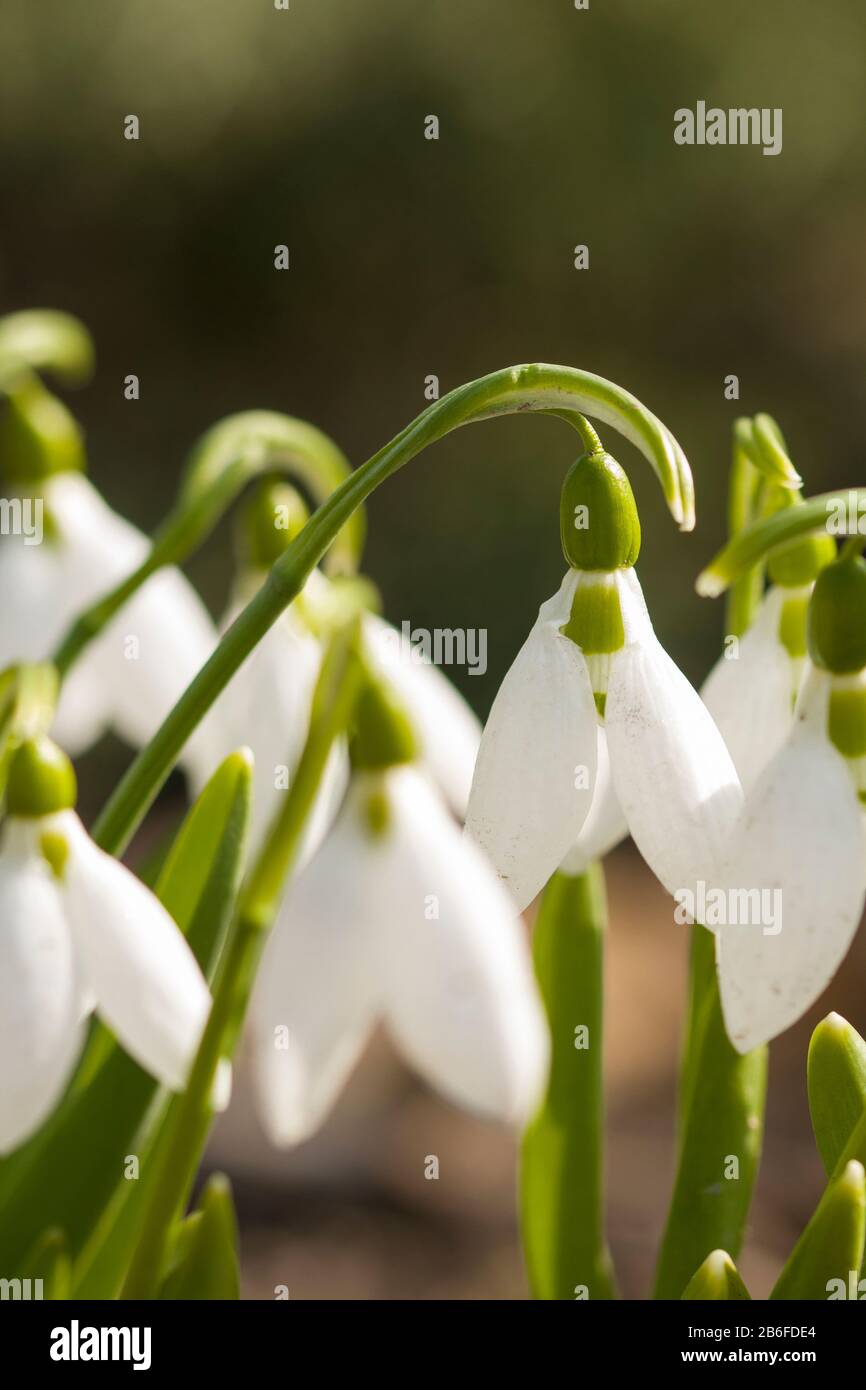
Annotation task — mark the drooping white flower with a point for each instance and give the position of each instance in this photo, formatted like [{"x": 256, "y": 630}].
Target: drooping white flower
[
  {"x": 795, "y": 874},
  {"x": 537, "y": 772},
  {"x": 267, "y": 705},
  {"x": 129, "y": 677},
  {"x": 397, "y": 918},
  {"x": 752, "y": 689},
  {"x": 78, "y": 931}
]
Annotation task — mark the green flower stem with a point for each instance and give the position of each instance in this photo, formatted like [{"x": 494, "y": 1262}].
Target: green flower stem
[
  {"x": 236, "y": 451},
  {"x": 561, "y": 1177},
  {"x": 749, "y": 548},
  {"x": 44, "y": 340},
  {"x": 721, "y": 1123},
  {"x": 191, "y": 1113},
  {"x": 537, "y": 388}
]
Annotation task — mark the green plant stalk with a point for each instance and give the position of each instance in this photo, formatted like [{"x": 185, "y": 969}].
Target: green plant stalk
[
  {"x": 191, "y": 1113},
  {"x": 562, "y": 1160},
  {"x": 752, "y": 545},
  {"x": 538, "y": 388},
  {"x": 744, "y": 492},
  {"x": 721, "y": 1125},
  {"x": 231, "y": 455}
]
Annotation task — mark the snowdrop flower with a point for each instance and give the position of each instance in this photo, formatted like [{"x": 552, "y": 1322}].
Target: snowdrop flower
[
  {"x": 801, "y": 835},
  {"x": 268, "y": 703},
  {"x": 77, "y": 931},
  {"x": 397, "y": 918},
  {"x": 752, "y": 689},
  {"x": 593, "y": 663},
  {"x": 132, "y": 674}
]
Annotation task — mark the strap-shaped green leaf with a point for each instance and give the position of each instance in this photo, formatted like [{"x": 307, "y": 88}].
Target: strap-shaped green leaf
[
  {"x": 831, "y": 1247},
  {"x": 204, "y": 1261},
  {"x": 66, "y": 1175},
  {"x": 717, "y": 1280},
  {"x": 836, "y": 1073},
  {"x": 561, "y": 1180}
]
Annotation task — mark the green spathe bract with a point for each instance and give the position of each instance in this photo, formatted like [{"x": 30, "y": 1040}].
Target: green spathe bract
[{"x": 598, "y": 520}]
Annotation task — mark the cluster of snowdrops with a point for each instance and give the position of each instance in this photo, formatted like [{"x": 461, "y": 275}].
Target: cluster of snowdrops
[{"x": 359, "y": 849}]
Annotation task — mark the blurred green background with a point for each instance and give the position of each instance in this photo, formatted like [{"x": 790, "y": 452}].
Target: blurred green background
[{"x": 454, "y": 257}]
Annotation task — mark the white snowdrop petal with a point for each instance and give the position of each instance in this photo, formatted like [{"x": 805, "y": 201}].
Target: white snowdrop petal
[
  {"x": 143, "y": 975},
  {"x": 461, "y": 996},
  {"x": 33, "y": 614},
  {"x": 447, "y": 728},
  {"x": 41, "y": 1029},
  {"x": 266, "y": 707},
  {"x": 674, "y": 777},
  {"x": 535, "y": 772},
  {"x": 151, "y": 651},
  {"x": 317, "y": 992},
  {"x": 750, "y": 693},
  {"x": 800, "y": 845},
  {"x": 605, "y": 825}
]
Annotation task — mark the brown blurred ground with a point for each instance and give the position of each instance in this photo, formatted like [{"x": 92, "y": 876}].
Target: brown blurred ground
[{"x": 351, "y": 1216}]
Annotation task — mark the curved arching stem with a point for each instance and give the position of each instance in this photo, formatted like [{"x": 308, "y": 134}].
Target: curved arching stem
[
  {"x": 536, "y": 388},
  {"x": 232, "y": 454},
  {"x": 838, "y": 514},
  {"x": 44, "y": 340}
]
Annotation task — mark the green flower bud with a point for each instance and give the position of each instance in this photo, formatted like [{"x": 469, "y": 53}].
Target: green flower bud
[
  {"x": 598, "y": 521},
  {"x": 268, "y": 522},
  {"x": 41, "y": 780},
  {"x": 837, "y": 618},
  {"x": 383, "y": 734},
  {"x": 38, "y": 435}
]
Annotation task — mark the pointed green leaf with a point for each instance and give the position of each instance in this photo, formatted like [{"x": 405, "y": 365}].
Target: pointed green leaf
[
  {"x": 61, "y": 1176},
  {"x": 717, "y": 1280},
  {"x": 831, "y": 1247},
  {"x": 204, "y": 1264},
  {"x": 561, "y": 1178},
  {"x": 836, "y": 1073},
  {"x": 49, "y": 1263},
  {"x": 721, "y": 1124}
]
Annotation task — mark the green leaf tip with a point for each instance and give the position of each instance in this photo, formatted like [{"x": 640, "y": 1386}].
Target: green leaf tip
[
  {"x": 717, "y": 1280},
  {"x": 836, "y": 1079},
  {"x": 831, "y": 1246}
]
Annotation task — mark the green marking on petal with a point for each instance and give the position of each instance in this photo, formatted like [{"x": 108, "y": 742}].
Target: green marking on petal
[
  {"x": 377, "y": 812},
  {"x": 54, "y": 848},
  {"x": 792, "y": 625},
  {"x": 846, "y": 720},
  {"x": 595, "y": 624}
]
